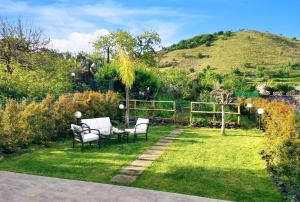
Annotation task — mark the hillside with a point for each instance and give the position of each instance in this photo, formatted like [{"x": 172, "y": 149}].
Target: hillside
[{"x": 244, "y": 48}]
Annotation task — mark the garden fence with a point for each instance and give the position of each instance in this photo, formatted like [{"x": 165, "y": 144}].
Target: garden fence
[
  {"x": 214, "y": 110},
  {"x": 153, "y": 106}
]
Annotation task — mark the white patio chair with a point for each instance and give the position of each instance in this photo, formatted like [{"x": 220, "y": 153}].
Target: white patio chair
[
  {"x": 84, "y": 135},
  {"x": 141, "y": 128}
]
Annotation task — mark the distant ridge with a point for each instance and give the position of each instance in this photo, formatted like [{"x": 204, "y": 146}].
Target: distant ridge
[{"x": 223, "y": 51}]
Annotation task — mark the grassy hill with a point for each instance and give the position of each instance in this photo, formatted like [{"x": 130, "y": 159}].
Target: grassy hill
[{"x": 243, "y": 48}]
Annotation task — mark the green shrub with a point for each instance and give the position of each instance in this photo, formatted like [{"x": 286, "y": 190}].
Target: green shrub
[
  {"x": 282, "y": 141},
  {"x": 236, "y": 71},
  {"x": 12, "y": 128},
  {"x": 201, "y": 55},
  {"x": 38, "y": 121},
  {"x": 109, "y": 79},
  {"x": 91, "y": 104},
  {"x": 42, "y": 122},
  {"x": 284, "y": 88},
  {"x": 248, "y": 65}
]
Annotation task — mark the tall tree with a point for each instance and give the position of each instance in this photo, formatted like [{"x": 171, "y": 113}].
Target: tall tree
[
  {"x": 108, "y": 44},
  {"x": 147, "y": 43},
  {"x": 141, "y": 47},
  {"x": 127, "y": 73},
  {"x": 17, "y": 42},
  {"x": 223, "y": 97}
]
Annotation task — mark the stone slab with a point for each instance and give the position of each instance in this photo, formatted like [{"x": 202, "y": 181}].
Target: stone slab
[
  {"x": 160, "y": 148},
  {"x": 123, "y": 179},
  {"x": 153, "y": 152},
  {"x": 170, "y": 138},
  {"x": 165, "y": 141},
  {"x": 142, "y": 163},
  {"x": 132, "y": 170},
  {"x": 149, "y": 157},
  {"x": 162, "y": 144}
]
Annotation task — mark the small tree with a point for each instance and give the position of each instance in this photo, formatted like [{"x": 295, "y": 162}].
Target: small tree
[
  {"x": 223, "y": 97},
  {"x": 17, "y": 42},
  {"x": 127, "y": 73}
]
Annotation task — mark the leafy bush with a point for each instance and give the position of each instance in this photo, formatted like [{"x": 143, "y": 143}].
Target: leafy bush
[
  {"x": 236, "y": 71},
  {"x": 91, "y": 104},
  {"x": 51, "y": 75},
  {"x": 37, "y": 121},
  {"x": 49, "y": 120},
  {"x": 201, "y": 55},
  {"x": 146, "y": 82},
  {"x": 236, "y": 83},
  {"x": 260, "y": 71},
  {"x": 284, "y": 88},
  {"x": 12, "y": 135},
  {"x": 248, "y": 65},
  {"x": 282, "y": 141}
]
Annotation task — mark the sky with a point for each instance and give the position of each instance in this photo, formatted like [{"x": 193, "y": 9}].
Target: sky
[{"x": 73, "y": 25}]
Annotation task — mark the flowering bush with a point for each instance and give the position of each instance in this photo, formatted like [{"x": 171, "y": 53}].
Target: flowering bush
[{"x": 282, "y": 141}]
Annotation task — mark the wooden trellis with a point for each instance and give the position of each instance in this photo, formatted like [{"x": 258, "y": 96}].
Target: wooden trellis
[{"x": 214, "y": 112}]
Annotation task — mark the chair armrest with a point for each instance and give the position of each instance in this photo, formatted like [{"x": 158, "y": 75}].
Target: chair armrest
[
  {"x": 99, "y": 133},
  {"x": 84, "y": 125},
  {"x": 89, "y": 130},
  {"x": 78, "y": 134},
  {"x": 142, "y": 124}
]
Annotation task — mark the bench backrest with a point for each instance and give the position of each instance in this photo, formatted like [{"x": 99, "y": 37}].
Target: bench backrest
[
  {"x": 98, "y": 123},
  {"x": 143, "y": 127}
]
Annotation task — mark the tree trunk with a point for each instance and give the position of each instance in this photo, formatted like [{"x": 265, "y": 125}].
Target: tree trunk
[
  {"x": 108, "y": 59},
  {"x": 223, "y": 120},
  {"x": 127, "y": 106}
]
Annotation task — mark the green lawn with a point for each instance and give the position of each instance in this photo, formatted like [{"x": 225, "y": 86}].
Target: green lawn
[
  {"x": 91, "y": 165},
  {"x": 204, "y": 163},
  {"x": 201, "y": 162}
]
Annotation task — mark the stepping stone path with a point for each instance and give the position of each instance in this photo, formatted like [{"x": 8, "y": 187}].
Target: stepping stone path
[{"x": 137, "y": 167}]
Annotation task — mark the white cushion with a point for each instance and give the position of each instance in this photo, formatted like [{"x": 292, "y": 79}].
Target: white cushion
[
  {"x": 138, "y": 131},
  {"x": 103, "y": 131},
  {"x": 76, "y": 128},
  {"x": 98, "y": 123},
  {"x": 90, "y": 137},
  {"x": 142, "y": 127}
]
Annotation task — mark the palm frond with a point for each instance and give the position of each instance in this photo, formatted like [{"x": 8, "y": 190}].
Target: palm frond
[{"x": 126, "y": 68}]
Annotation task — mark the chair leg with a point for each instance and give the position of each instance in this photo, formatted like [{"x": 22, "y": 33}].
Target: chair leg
[
  {"x": 135, "y": 137},
  {"x": 82, "y": 145},
  {"x": 99, "y": 143},
  {"x": 146, "y": 137},
  {"x": 73, "y": 143}
]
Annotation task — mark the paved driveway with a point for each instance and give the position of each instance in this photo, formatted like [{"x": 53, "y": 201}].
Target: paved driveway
[{"x": 22, "y": 187}]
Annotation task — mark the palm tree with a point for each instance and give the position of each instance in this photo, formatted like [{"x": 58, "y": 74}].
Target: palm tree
[{"x": 127, "y": 73}]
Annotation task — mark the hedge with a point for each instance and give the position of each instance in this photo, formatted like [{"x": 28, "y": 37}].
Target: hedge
[
  {"x": 282, "y": 144},
  {"x": 22, "y": 124}
]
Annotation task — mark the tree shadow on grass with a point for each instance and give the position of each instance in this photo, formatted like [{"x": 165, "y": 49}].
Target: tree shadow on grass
[{"x": 220, "y": 183}]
